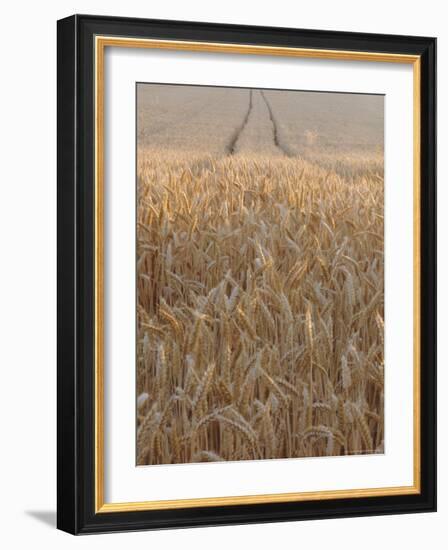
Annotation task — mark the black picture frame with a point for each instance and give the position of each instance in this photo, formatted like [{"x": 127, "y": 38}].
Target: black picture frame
[{"x": 76, "y": 254}]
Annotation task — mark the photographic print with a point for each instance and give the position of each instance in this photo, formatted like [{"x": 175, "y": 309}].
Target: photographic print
[{"x": 260, "y": 284}]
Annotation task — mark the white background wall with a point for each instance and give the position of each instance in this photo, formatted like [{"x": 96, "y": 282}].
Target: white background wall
[{"x": 28, "y": 272}]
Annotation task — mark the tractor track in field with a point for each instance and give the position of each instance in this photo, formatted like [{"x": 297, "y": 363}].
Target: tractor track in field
[
  {"x": 232, "y": 145},
  {"x": 274, "y": 125}
]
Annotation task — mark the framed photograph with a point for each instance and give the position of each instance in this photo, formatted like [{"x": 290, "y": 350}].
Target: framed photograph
[{"x": 246, "y": 274}]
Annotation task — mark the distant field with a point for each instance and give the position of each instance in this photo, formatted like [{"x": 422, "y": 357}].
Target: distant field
[
  {"x": 184, "y": 118},
  {"x": 212, "y": 120},
  {"x": 259, "y": 274}
]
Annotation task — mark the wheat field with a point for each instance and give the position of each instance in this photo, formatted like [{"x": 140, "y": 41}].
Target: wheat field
[{"x": 260, "y": 293}]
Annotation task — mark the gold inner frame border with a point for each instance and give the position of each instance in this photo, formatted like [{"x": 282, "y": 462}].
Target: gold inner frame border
[{"x": 100, "y": 44}]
